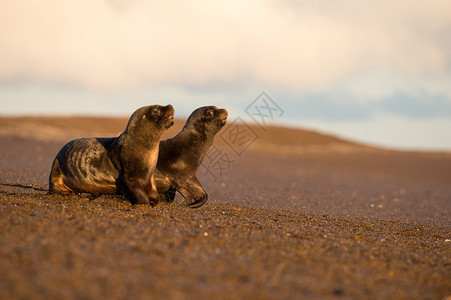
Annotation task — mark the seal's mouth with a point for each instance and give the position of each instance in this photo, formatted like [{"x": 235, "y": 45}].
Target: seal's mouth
[
  {"x": 170, "y": 121},
  {"x": 169, "y": 115},
  {"x": 168, "y": 118}
]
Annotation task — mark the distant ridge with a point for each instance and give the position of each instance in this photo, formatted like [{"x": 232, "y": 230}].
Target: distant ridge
[{"x": 273, "y": 139}]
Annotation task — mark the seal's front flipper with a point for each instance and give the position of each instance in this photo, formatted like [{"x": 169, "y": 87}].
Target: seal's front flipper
[
  {"x": 193, "y": 193},
  {"x": 199, "y": 201},
  {"x": 136, "y": 194},
  {"x": 151, "y": 190}
]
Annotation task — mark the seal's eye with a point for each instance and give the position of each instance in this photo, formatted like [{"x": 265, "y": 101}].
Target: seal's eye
[{"x": 210, "y": 113}]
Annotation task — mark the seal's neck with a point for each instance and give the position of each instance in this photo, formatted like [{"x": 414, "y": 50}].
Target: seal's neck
[
  {"x": 198, "y": 138},
  {"x": 195, "y": 142},
  {"x": 146, "y": 137}
]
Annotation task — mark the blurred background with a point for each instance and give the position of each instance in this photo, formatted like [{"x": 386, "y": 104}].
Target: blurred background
[{"x": 373, "y": 72}]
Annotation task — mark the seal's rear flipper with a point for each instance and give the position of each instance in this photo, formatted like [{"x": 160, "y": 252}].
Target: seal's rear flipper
[{"x": 56, "y": 184}]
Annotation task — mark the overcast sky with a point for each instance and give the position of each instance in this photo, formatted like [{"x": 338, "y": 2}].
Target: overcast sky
[{"x": 374, "y": 71}]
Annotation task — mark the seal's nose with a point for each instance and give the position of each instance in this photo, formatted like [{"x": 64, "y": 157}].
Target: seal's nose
[
  {"x": 169, "y": 111},
  {"x": 223, "y": 113}
]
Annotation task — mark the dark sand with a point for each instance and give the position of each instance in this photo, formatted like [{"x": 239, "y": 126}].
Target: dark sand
[{"x": 297, "y": 215}]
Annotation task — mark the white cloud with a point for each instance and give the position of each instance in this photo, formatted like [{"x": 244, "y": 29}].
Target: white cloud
[{"x": 117, "y": 44}]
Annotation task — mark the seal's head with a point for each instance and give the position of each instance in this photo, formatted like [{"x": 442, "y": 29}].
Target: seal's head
[
  {"x": 207, "y": 120},
  {"x": 157, "y": 117},
  {"x": 163, "y": 115}
]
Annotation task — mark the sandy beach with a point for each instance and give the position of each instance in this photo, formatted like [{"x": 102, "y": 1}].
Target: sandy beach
[{"x": 292, "y": 214}]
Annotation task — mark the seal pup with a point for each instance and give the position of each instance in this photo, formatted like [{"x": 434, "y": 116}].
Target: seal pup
[
  {"x": 181, "y": 156},
  {"x": 118, "y": 165}
]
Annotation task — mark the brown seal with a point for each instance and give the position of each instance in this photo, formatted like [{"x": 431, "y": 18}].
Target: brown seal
[
  {"x": 181, "y": 156},
  {"x": 119, "y": 165}
]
